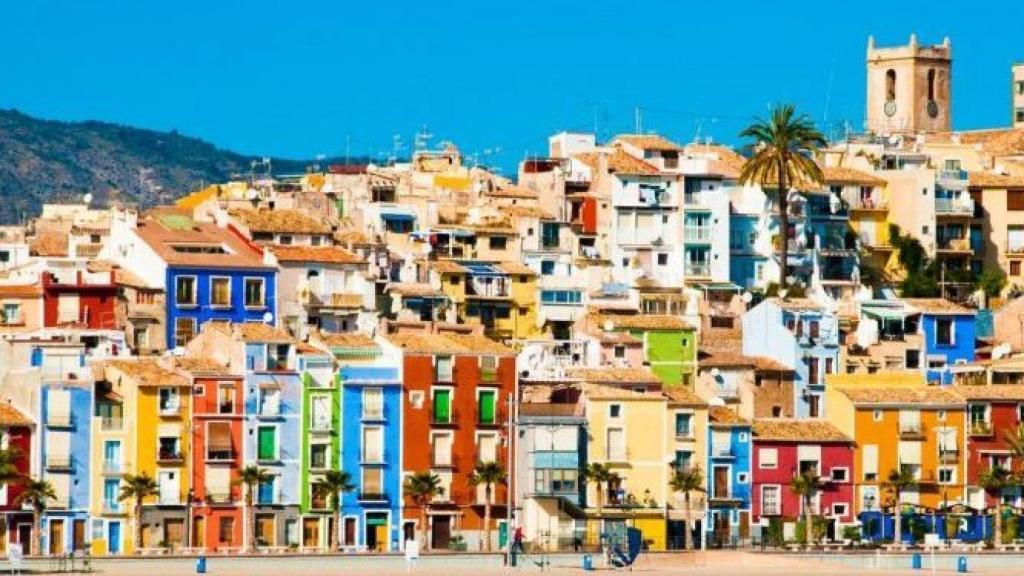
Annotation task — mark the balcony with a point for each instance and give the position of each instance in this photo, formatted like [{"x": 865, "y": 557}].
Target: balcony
[
  {"x": 170, "y": 409},
  {"x": 58, "y": 463},
  {"x": 696, "y": 201},
  {"x": 697, "y": 234},
  {"x": 443, "y": 418},
  {"x": 373, "y": 458},
  {"x": 372, "y": 497},
  {"x": 721, "y": 451},
  {"x": 952, "y": 179},
  {"x": 220, "y": 455},
  {"x": 911, "y": 431},
  {"x": 336, "y": 300},
  {"x": 953, "y": 244},
  {"x": 58, "y": 419},
  {"x": 868, "y": 204},
  {"x": 112, "y": 468},
  {"x": 169, "y": 500},
  {"x": 218, "y": 497},
  {"x": 442, "y": 461},
  {"x": 698, "y": 270},
  {"x": 963, "y": 206},
  {"x": 321, "y": 427},
  {"x": 269, "y": 410},
  {"x": 111, "y": 423},
  {"x": 113, "y": 508},
  {"x": 980, "y": 429},
  {"x": 948, "y": 456},
  {"x": 169, "y": 456},
  {"x": 12, "y": 318}
]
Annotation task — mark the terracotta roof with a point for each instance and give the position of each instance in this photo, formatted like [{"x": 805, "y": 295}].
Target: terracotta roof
[
  {"x": 413, "y": 289},
  {"x": 280, "y": 221},
  {"x": 427, "y": 343},
  {"x": 723, "y": 416},
  {"x": 149, "y": 373},
  {"x": 516, "y": 268},
  {"x": 122, "y": 276},
  {"x": 260, "y": 332},
  {"x": 644, "y": 322},
  {"x": 683, "y": 395},
  {"x": 446, "y": 267},
  {"x": 618, "y": 162},
  {"x": 11, "y": 416},
  {"x": 20, "y": 291},
  {"x": 735, "y": 359},
  {"x": 513, "y": 192},
  {"x": 179, "y": 240},
  {"x": 902, "y": 395},
  {"x": 200, "y": 365},
  {"x": 1008, "y": 392},
  {"x": 351, "y": 236},
  {"x": 841, "y": 175},
  {"x": 345, "y": 339},
  {"x": 53, "y": 244},
  {"x": 615, "y": 337},
  {"x": 989, "y": 180},
  {"x": 797, "y": 304},
  {"x": 322, "y": 254},
  {"x": 1002, "y": 142},
  {"x": 614, "y": 375},
  {"x": 606, "y": 392},
  {"x": 648, "y": 142},
  {"x": 724, "y": 161},
  {"x": 797, "y": 430},
  {"x": 937, "y": 306}
]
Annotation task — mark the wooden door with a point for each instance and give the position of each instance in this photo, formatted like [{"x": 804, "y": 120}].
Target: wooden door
[
  {"x": 310, "y": 532},
  {"x": 441, "y": 532},
  {"x": 265, "y": 530},
  {"x": 722, "y": 528},
  {"x": 721, "y": 482},
  {"x": 350, "y": 531},
  {"x": 744, "y": 525},
  {"x": 174, "y": 533},
  {"x": 199, "y": 532},
  {"x": 56, "y": 536},
  {"x": 78, "y": 534}
]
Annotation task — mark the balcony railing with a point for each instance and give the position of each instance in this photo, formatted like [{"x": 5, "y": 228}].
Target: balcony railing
[
  {"x": 695, "y": 200},
  {"x": 980, "y": 429},
  {"x": 112, "y": 468},
  {"x": 218, "y": 497},
  {"x": 948, "y": 455},
  {"x": 701, "y": 234},
  {"x": 58, "y": 419},
  {"x": 169, "y": 456},
  {"x": 956, "y": 206},
  {"x": 114, "y": 423},
  {"x": 721, "y": 450},
  {"x": 171, "y": 409},
  {"x": 58, "y": 462},
  {"x": 911, "y": 430},
  {"x": 698, "y": 270},
  {"x": 373, "y": 497},
  {"x": 957, "y": 244},
  {"x": 371, "y": 458},
  {"x": 220, "y": 455}
]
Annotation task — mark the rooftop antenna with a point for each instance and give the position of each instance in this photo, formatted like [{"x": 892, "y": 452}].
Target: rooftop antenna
[
  {"x": 396, "y": 146},
  {"x": 422, "y": 138}
]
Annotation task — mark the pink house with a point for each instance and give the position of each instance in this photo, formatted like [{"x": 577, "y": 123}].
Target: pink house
[
  {"x": 786, "y": 447},
  {"x": 618, "y": 348}
]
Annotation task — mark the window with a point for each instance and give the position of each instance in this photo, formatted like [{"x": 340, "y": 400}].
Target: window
[
  {"x": 812, "y": 371},
  {"x": 225, "y": 529},
  {"x": 944, "y": 331},
  {"x": 442, "y": 406},
  {"x": 620, "y": 351},
  {"x": 373, "y": 403},
  {"x": 488, "y": 368},
  {"x": 225, "y": 398},
  {"x": 869, "y": 462},
  {"x": 220, "y": 291},
  {"x": 890, "y": 85},
  {"x": 320, "y": 412},
  {"x": 265, "y": 492},
  {"x": 771, "y": 502},
  {"x": 5, "y": 256},
  {"x": 813, "y": 328},
  {"x": 318, "y": 456},
  {"x": 615, "y": 410},
  {"x": 547, "y": 267},
  {"x": 947, "y": 475},
  {"x": 616, "y": 449},
  {"x": 487, "y": 447},
  {"x": 829, "y": 366},
  {"x": 913, "y": 359},
  {"x": 371, "y": 484},
  {"x": 840, "y": 474},
  {"x": 768, "y": 458},
  {"x": 877, "y": 415},
  {"x": 373, "y": 445},
  {"x": 662, "y": 259},
  {"x": 683, "y": 425},
  {"x": 185, "y": 290},
  {"x": 1015, "y": 199},
  {"x": 486, "y": 404},
  {"x": 442, "y": 368},
  {"x": 839, "y": 509},
  {"x": 441, "y": 450},
  {"x": 269, "y": 401},
  {"x": 169, "y": 401},
  {"x": 561, "y": 297},
  {"x": 255, "y": 296},
  {"x": 1014, "y": 267},
  {"x": 266, "y": 448},
  {"x": 497, "y": 242},
  {"x": 682, "y": 460},
  {"x": 742, "y": 478},
  {"x": 10, "y": 314}
]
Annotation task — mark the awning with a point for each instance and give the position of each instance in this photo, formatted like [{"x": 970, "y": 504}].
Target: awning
[
  {"x": 220, "y": 437},
  {"x": 718, "y": 286},
  {"x": 395, "y": 217},
  {"x": 270, "y": 383},
  {"x": 884, "y": 313}
]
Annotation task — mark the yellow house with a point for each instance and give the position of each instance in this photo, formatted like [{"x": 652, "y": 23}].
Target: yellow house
[
  {"x": 501, "y": 296},
  {"x": 156, "y": 415},
  {"x": 898, "y": 422},
  {"x": 686, "y": 442},
  {"x": 626, "y": 433}
]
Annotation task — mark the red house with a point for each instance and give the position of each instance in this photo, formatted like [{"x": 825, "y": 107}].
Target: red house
[
  {"x": 15, "y": 435},
  {"x": 217, "y": 423},
  {"x": 456, "y": 389},
  {"x": 79, "y": 299},
  {"x": 992, "y": 413},
  {"x": 784, "y": 448}
]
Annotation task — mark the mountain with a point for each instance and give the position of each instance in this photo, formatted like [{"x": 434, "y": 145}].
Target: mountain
[{"x": 46, "y": 160}]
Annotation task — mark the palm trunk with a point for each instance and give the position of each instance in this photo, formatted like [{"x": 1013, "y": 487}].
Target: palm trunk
[
  {"x": 808, "y": 521},
  {"x": 997, "y": 524},
  {"x": 487, "y": 517},
  {"x": 898, "y": 517},
  {"x": 784, "y": 224},
  {"x": 686, "y": 530},
  {"x": 336, "y": 546},
  {"x": 251, "y": 520},
  {"x": 138, "y": 525},
  {"x": 423, "y": 525},
  {"x": 36, "y": 545}
]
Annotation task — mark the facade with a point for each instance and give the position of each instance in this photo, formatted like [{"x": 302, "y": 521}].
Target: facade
[
  {"x": 756, "y": 387},
  {"x": 727, "y": 520},
  {"x": 669, "y": 343},
  {"x": 64, "y": 450},
  {"x": 1017, "y": 94},
  {"x": 948, "y": 333},
  {"x": 687, "y": 443},
  {"x": 16, "y": 430},
  {"x": 785, "y": 448},
  {"x": 456, "y": 392},
  {"x": 21, "y": 308},
  {"x": 77, "y": 298},
  {"x": 990, "y": 408},
  {"x": 909, "y": 88}
]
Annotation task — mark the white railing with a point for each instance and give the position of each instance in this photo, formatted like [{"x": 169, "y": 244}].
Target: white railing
[{"x": 698, "y": 234}]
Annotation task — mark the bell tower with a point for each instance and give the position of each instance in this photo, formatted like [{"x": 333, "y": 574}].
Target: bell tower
[{"x": 909, "y": 88}]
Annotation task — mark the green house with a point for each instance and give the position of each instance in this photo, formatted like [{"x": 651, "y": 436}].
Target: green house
[{"x": 670, "y": 344}]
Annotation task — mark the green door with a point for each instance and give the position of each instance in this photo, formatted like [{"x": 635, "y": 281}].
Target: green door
[
  {"x": 266, "y": 449},
  {"x": 442, "y": 406},
  {"x": 486, "y": 407}
]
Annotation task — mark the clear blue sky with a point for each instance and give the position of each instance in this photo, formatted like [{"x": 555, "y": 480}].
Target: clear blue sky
[{"x": 297, "y": 78}]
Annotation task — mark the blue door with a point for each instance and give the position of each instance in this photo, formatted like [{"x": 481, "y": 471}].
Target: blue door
[{"x": 113, "y": 537}]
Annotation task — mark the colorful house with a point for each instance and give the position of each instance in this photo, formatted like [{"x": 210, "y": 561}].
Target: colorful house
[
  {"x": 16, "y": 430},
  {"x": 797, "y": 333},
  {"x": 21, "y": 308},
  {"x": 948, "y": 330},
  {"x": 727, "y": 520},
  {"x": 993, "y": 412},
  {"x": 321, "y": 436},
  {"x": 687, "y": 444},
  {"x": 501, "y": 296},
  {"x": 786, "y": 448},
  {"x": 899, "y": 423},
  {"x": 456, "y": 388},
  {"x": 79, "y": 298},
  {"x": 670, "y": 343},
  {"x": 218, "y": 424}
]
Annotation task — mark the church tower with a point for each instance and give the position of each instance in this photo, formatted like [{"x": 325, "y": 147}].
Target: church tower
[{"x": 909, "y": 88}]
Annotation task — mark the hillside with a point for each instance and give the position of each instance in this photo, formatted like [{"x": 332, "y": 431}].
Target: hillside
[{"x": 45, "y": 160}]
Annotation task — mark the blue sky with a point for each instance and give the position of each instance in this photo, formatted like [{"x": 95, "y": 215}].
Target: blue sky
[{"x": 301, "y": 78}]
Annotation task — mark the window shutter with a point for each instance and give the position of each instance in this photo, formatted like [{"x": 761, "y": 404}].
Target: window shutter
[
  {"x": 910, "y": 453},
  {"x": 442, "y": 408},
  {"x": 266, "y": 444},
  {"x": 486, "y": 407},
  {"x": 869, "y": 459}
]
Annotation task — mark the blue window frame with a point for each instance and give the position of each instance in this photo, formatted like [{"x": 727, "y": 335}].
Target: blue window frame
[{"x": 561, "y": 297}]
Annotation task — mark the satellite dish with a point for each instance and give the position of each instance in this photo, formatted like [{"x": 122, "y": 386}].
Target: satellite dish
[
  {"x": 747, "y": 297},
  {"x": 609, "y": 325},
  {"x": 268, "y": 317},
  {"x": 714, "y": 372},
  {"x": 87, "y": 198}
]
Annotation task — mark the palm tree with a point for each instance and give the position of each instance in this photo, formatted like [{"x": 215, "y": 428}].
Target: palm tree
[
  {"x": 684, "y": 481},
  {"x": 898, "y": 481},
  {"x": 334, "y": 483},
  {"x": 806, "y": 485},
  {"x": 137, "y": 489},
  {"x": 993, "y": 481},
  {"x": 422, "y": 487},
  {"x": 785, "y": 146},
  {"x": 488, "y": 474},
  {"x": 602, "y": 476},
  {"x": 251, "y": 477},
  {"x": 9, "y": 460},
  {"x": 36, "y": 493}
]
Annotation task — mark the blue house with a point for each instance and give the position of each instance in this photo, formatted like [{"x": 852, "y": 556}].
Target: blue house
[
  {"x": 948, "y": 332},
  {"x": 209, "y": 273},
  {"x": 801, "y": 334},
  {"x": 728, "y": 478},
  {"x": 65, "y": 412},
  {"x": 746, "y": 264}
]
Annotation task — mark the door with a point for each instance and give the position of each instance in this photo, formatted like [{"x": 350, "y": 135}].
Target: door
[
  {"x": 199, "y": 532},
  {"x": 112, "y": 455},
  {"x": 24, "y": 535},
  {"x": 114, "y": 537},
  {"x": 376, "y": 531},
  {"x": 174, "y": 533},
  {"x": 721, "y": 528},
  {"x": 721, "y": 482},
  {"x": 408, "y": 531},
  {"x": 78, "y": 535},
  {"x": 350, "y": 531},
  {"x": 169, "y": 488},
  {"x": 265, "y": 530},
  {"x": 440, "y": 532},
  {"x": 311, "y": 532},
  {"x": 56, "y": 536}
]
